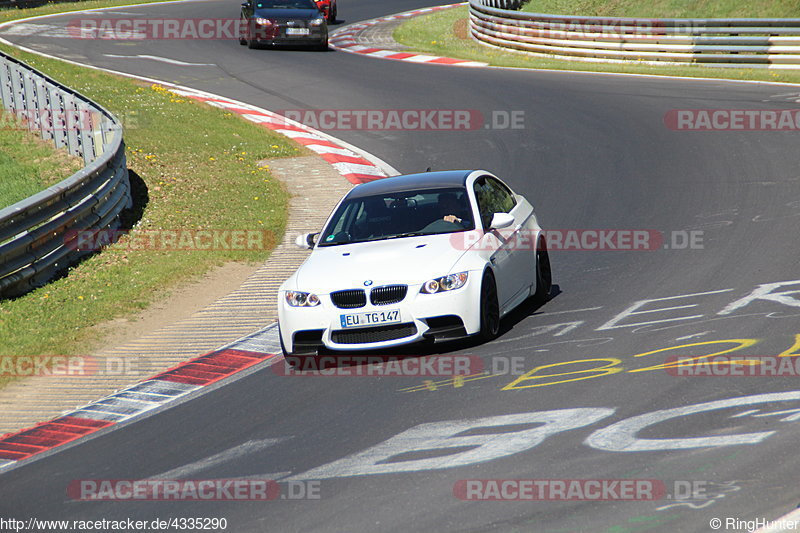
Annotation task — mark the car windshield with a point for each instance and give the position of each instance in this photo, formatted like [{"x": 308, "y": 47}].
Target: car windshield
[
  {"x": 399, "y": 214},
  {"x": 286, "y": 4}
]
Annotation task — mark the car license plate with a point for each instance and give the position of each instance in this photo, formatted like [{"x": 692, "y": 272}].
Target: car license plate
[
  {"x": 376, "y": 318},
  {"x": 297, "y": 31}
]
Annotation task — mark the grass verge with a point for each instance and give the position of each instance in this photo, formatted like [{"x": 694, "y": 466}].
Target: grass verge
[
  {"x": 446, "y": 33},
  {"x": 193, "y": 167},
  {"x": 27, "y": 163}
]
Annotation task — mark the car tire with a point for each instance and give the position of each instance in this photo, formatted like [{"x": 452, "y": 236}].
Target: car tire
[
  {"x": 333, "y": 14},
  {"x": 490, "y": 308},
  {"x": 252, "y": 44},
  {"x": 544, "y": 276},
  {"x": 323, "y": 46},
  {"x": 242, "y": 39}
]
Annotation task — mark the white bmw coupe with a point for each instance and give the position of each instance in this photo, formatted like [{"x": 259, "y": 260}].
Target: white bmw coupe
[{"x": 432, "y": 256}]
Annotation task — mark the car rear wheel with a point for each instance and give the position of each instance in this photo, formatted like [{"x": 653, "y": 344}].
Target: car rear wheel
[
  {"x": 490, "y": 308},
  {"x": 544, "y": 276}
]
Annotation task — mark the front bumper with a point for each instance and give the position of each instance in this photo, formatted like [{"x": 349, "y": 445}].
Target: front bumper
[
  {"x": 442, "y": 316},
  {"x": 279, "y": 34}
]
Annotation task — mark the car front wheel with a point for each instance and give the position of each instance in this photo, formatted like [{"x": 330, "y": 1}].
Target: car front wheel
[
  {"x": 490, "y": 308},
  {"x": 544, "y": 276},
  {"x": 252, "y": 43},
  {"x": 242, "y": 38}
]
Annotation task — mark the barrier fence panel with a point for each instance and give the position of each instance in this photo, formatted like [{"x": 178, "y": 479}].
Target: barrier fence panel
[
  {"x": 759, "y": 43},
  {"x": 35, "y": 232}
]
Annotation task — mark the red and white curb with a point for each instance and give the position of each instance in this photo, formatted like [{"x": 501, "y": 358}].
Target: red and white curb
[
  {"x": 345, "y": 40},
  {"x": 253, "y": 352},
  {"x": 355, "y": 165}
]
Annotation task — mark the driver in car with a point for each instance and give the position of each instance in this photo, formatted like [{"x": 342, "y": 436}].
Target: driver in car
[{"x": 450, "y": 207}]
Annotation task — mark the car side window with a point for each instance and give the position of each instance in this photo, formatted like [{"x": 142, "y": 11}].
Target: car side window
[
  {"x": 492, "y": 197},
  {"x": 503, "y": 197}
]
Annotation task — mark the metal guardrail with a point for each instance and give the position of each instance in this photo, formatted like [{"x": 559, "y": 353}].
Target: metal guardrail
[
  {"x": 505, "y": 4},
  {"x": 38, "y": 235},
  {"x": 760, "y": 43}
]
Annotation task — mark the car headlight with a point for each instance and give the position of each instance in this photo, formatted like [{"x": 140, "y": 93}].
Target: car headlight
[
  {"x": 263, "y": 22},
  {"x": 317, "y": 21},
  {"x": 301, "y": 299},
  {"x": 445, "y": 283}
]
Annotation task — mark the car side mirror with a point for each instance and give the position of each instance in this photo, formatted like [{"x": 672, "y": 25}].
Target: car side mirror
[
  {"x": 501, "y": 220},
  {"x": 306, "y": 240}
]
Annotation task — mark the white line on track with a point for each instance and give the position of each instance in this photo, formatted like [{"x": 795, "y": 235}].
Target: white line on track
[
  {"x": 230, "y": 454},
  {"x": 162, "y": 59}
]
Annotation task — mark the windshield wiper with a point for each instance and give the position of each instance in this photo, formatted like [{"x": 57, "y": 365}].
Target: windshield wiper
[{"x": 409, "y": 234}]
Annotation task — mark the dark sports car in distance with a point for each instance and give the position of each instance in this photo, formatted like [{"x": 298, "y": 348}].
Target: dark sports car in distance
[
  {"x": 328, "y": 8},
  {"x": 292, "y": 22}
]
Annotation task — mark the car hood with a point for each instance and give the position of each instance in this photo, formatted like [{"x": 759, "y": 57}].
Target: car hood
[
  {"x": 296, "y": 14},
  {"x": 408, "y": 260}
]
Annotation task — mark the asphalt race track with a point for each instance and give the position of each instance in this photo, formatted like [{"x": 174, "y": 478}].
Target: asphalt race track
[{"x": 593, "y": 153}]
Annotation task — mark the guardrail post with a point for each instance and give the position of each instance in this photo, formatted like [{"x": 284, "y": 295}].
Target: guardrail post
[
  {"x": 5, "y": 86},
  {"x": 31, "y": 112},
  {"x": 56, "y": 108},
  {"x": 69, "y": 111},
  {"x": 43, "y": 111},
  {"x": 17, "y": 94},
  {"x": 85, "y": 128}
]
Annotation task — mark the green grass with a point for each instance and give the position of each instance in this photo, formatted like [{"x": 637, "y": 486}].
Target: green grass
[
  {"x": 445, "y": 34},
  {"x": 12, "y": 13},
  {"x": 27, "y": 163},
  {"x": 668, "y": 8},
  {"x": 20, "y": 175},
  {"x": 199, "y": 165}
]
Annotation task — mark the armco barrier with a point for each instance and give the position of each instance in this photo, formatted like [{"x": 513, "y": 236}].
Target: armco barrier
[
  {"x": 505, "y": 4},
  {"x": 761, "y": 43},
  {"x": 34, "y": 232}
]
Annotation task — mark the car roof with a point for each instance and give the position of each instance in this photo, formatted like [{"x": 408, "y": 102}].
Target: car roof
[{"x": 425, "y": 180}]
